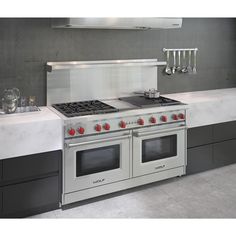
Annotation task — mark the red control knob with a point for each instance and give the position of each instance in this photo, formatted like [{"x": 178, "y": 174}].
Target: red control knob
[
  {"x": 153, "y": 120},
  {"x": 80, "y": 130},
  {"x": 164, "y": 118},
  {"x": 122, "y": 124},
  {"x": 141, "y": 121},
  {"x": 71, "y": 132},
  {"x": 175, "y": 117},
  {"x": 106, "y": 126},
  {"x": 98, "y": 128},
  {"x": 181, "y": 116}
]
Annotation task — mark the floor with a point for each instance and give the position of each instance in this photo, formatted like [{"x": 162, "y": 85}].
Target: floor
[{"x": 211, "y": 194}]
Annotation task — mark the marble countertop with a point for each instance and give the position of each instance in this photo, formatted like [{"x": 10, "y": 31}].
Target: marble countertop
[
  {"x": 26, "y": 117},
  {"x": 209, "y": 106},
  {"x": 42, "y": 131},
  {"x": 30, "y": 133}
]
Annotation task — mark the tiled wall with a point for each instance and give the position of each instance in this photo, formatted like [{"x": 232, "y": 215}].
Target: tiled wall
[{"x": 27, "y": 44}]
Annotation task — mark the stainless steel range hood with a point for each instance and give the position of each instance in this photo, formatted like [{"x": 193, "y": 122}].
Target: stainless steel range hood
[{"x": 117, "y": 23}]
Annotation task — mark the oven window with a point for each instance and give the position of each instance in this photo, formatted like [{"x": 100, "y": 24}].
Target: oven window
[
  {"x": 159, "y": 148},
  {"x": 97, "y": 160}
]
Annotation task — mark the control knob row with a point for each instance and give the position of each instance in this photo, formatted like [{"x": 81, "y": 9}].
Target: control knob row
[
  {"x": 72, "y": 131},
  {"x": 98, "y": 127},
  {"x": 122, "y": 124},
  {"x": 163, "y": 118},
  {"x": 174, "y": 117}
]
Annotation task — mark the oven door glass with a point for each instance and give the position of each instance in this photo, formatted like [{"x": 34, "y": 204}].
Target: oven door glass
[
  {"x": 159, "y": 148},
  {"x": 97, "y": 160}
]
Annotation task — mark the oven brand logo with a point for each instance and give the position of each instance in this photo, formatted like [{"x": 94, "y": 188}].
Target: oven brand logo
[
  {"x": 159, "y": 167},
  {"x": 98, "y": 181}
]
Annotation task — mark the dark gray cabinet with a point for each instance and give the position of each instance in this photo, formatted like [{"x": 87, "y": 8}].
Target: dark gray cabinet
[
  {"x": 0, "y": 202},
  {"x": 0, "y": 171},
  {"x": 224, "y": 153},
  {"x": 30, "y": 166},
  {"x": 31, "y": 197},
  {"x": 200, "y": 136},
  {"x": 200, "y": 159},
  {"x": 224, "y": 131},
  {"x": 30, "y": 184},
  {"x": 211, "y": 147}
]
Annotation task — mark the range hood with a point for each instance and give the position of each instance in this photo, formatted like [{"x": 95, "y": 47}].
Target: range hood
[{"x": 117, "y": 23}]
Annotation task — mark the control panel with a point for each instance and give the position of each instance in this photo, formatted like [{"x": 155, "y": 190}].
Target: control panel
[{"x": 121, "y": 123}]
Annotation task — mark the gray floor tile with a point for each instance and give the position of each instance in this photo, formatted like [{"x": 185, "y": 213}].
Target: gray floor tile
[
  {"x": 211, "y": 194},
  {"x": 50, "y": 214}
]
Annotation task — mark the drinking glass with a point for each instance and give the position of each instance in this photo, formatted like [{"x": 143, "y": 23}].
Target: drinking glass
[
  {"x": 32, "y": 101},
  {"x": 23, "y": 103}
]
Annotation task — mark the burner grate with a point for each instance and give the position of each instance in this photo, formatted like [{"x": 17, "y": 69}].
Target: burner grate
[{"x": 83, "y": 108}]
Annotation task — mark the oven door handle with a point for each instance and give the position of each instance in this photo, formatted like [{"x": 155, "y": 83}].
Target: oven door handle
[
  {"x": 98, "y": 141},
  {"x": 145, "y": 133}
]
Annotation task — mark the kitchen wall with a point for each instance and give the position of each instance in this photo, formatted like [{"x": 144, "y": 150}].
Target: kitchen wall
[{"x": 27, "y": 44}]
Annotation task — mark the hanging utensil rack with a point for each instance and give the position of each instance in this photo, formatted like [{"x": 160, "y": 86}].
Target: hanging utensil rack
[
  {"x": 183, "y": 65},
  {"x": 179, "y": 49}
]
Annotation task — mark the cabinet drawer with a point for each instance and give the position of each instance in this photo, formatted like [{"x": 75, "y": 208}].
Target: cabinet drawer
[
  {"x": 0, "y": 202},
  {"x": 0, "y": 170},
  {"x": 28, "y": 198},
  {"x": 224, "y": 131},
  {"x": 200, "y": 136},
  {"x": 224, "y": 153},
  {"x": 199, "y": 159},
  {"x": 31, "y": 166}
]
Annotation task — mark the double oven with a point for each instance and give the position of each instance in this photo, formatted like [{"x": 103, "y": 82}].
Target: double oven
[{"x": 107, "y": 158}]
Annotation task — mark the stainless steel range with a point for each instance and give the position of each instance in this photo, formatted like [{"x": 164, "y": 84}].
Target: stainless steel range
[{"x": 119, "y": 142}]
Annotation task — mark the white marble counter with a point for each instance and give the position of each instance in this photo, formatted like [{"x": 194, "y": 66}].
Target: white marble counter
[
  {"x": 35, "y": 132},
  {"x": 30, "y": 133},
  {"x": 208, "y": 107}
]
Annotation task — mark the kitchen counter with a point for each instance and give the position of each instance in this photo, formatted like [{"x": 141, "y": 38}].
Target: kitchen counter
[
  {"x": 209, "y": 106},
  {"x": 36, "y": 132},
  {"x": 30, "y": 133}
]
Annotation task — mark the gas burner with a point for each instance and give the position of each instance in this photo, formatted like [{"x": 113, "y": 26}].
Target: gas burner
[
  {"x": 143, "y": 102},
  {"x": 84, "y": 108}
]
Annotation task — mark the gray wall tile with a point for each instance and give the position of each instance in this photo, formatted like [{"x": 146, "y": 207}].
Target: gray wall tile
[{"x": 27, "y": 44}]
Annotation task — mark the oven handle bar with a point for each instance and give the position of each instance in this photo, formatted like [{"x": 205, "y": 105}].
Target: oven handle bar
[
  {"x": 99, "y": 141},
  {"x": 140, "y": 134}
]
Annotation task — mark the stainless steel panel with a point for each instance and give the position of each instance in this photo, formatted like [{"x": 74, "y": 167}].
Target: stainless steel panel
[
  {"x": 99, "y": 82},
  {"x": 118, "y": 22},
  {"x": 121, "y": 185},
  {"x": 106, "y": 63}
]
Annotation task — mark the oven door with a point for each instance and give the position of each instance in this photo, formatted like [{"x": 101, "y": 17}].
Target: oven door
[
  {"x": 96, "y": 160},
  {"x": 157, "y": 150}
]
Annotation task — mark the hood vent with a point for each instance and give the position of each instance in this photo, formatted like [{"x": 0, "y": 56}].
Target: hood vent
[{"x": 118, "y": 23}]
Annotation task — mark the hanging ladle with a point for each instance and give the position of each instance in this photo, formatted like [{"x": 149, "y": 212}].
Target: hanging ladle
[
  {"x": 195, "y": 62},
  {"x": 168, "y": 69},
  {"x": 179, "y": 62},
  {"x": 174, "y": 64},
  {"x": 184, "y": 68},
  {"x": 189, "y": 68}
]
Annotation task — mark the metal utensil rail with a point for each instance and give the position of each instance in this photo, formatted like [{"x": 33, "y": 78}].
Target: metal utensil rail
[{"x": 179, "y": 49}]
